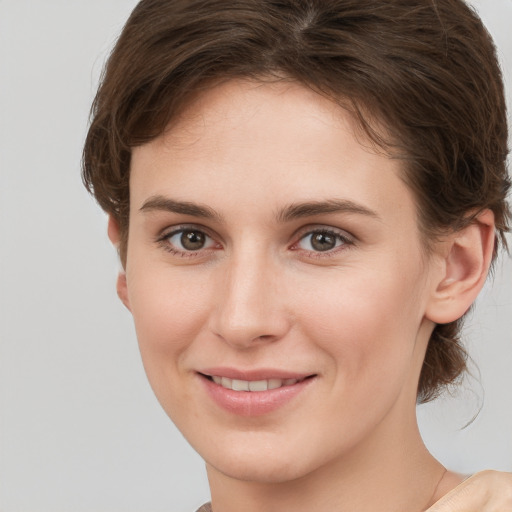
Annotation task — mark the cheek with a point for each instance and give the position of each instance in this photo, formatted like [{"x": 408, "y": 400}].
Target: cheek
[
  {"x": 169, "y": 309},
  {"x": 366, "y": 321}
]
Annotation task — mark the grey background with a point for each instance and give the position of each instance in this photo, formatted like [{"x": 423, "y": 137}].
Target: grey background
[{"x": 79, "y": 427}]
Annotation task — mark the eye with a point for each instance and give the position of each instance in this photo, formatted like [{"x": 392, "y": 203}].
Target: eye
[
  {"x": 322, "y": 240},
  {"x": 186, "y": 240}
]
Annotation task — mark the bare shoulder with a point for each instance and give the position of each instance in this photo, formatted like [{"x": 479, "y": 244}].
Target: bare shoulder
[
  {"x": 486, "y": 491},
  {"x": 449, "y": 482},
  {"x": 494, "y": 482}
]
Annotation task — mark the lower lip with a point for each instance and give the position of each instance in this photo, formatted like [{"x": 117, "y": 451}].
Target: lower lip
[{"x": 253, "y": 403}]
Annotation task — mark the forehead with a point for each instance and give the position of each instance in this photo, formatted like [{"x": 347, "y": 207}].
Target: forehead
[{"x": 244, "y": 143}]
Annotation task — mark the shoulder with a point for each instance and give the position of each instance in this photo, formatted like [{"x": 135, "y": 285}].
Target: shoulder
[{"x": 449, "y": 481}]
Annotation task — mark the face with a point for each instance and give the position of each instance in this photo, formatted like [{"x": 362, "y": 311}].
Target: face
[{"x": 277, "y": 281}]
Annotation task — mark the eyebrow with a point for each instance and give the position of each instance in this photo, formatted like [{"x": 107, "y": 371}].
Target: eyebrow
[
  {"x": 310, "y": 209},
  {"x": 287, "y": 214},
  {"x": 162, "y": 203}
]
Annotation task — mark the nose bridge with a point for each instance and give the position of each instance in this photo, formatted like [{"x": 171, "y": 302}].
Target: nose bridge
[{"x": 249, "y": 309}]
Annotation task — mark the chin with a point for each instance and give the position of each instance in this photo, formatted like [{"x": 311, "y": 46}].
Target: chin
[
  {"x": 260, "y": 471},
  {"x": 263, "y": 460}
]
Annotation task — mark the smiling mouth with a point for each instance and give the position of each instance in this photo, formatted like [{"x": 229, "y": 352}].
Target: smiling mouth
[{"x": 253, "y": 385}]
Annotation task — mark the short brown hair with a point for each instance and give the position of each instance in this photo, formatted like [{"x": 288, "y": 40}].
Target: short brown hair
[{"x": 426, "y": 69}]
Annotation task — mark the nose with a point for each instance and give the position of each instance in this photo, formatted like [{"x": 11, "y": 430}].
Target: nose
[{"x": 250, "y": 305}]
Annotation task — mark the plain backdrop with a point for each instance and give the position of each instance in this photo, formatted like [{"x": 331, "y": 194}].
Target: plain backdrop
[{"x": 80, "y": 430}]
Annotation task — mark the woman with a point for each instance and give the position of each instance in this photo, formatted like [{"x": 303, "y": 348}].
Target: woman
[{"x": 306, "y": 197}]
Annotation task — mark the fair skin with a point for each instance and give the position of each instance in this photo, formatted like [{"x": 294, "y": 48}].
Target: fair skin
[{"x": 267, "y": 243}]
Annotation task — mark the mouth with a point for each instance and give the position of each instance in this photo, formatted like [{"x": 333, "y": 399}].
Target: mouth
[
  {"x": 254, "y": 393},
  {"x": 254, "y": 385},
  {"x": 257, "y": 391}
]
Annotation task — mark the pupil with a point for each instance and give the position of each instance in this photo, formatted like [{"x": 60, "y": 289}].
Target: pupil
[
  {"x": 192, "y": 240},
  {"x": 323, "y": 241}
]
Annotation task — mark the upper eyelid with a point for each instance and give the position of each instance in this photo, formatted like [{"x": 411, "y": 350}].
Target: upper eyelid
[
  {"x": 172, "y": 230},
  {"x": 296, "y": 237},
  {"x": 349, "y": 241},
  {"x": 307, "y": 230},
  {"x": 164, "y": 236},
  {"x": 162, "y": 239}
]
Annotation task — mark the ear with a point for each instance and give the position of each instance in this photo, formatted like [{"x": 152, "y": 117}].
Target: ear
[
  {"x": 114, "y": 234},
  {"x": 464, "y": 267}
]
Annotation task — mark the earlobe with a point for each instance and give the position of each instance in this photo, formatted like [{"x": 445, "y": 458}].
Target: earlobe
[
  {"x": 114, "y": 234},
  {"x": 122, "y": 289},
  {"x": 465, "y": 265}
]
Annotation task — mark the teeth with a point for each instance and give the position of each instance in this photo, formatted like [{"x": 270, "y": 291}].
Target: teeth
[
  {"x": 240, "y": 385},
  {"x": 258, "y": 385},
  {"x": 252, "y": 385},
  {"x": 274, "y": 383}
]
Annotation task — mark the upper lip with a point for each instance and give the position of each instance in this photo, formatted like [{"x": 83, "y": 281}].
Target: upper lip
[{"x": 254, "y": 374}]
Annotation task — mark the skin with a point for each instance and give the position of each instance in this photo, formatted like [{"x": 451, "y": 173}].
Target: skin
[
  {"x": 258, "y": 294},
  {"x": 487, "y": 491}
]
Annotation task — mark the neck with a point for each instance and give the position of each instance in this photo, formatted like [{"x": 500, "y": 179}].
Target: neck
[{"x": 391, "y": 472}]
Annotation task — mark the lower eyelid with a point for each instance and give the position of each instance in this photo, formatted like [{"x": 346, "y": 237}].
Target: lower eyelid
[
  {"x": 163, "y": 240},
  {"x": 343, "y": 243}
]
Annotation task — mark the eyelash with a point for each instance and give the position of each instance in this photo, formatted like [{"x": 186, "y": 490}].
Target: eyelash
[
  {"x": 342, "y": 239},
  {"x": 164, "y": 240}
]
